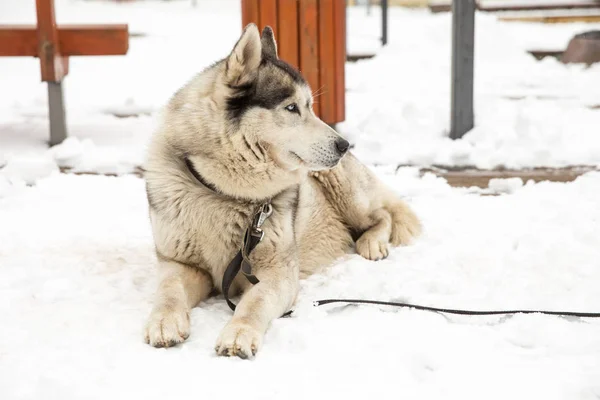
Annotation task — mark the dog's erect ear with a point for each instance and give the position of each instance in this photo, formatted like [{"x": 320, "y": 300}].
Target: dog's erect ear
[
  {"x": 243, "y": 62},
  {"x": 269, "y": 46}
]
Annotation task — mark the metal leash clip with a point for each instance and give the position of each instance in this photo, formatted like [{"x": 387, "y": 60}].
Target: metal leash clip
[
  {"x": 254, "y": 235},
  {"x": 260, "y": 217}
]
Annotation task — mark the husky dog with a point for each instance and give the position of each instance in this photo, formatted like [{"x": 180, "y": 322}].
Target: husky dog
[{"x": 241, "y": 133}]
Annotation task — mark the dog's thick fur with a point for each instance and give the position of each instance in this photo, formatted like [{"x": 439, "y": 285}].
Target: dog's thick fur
[{"x": 247, "y": 127}]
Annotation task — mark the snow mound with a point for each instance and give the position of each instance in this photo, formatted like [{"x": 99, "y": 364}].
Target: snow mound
[{"x": 28, "y": 169}]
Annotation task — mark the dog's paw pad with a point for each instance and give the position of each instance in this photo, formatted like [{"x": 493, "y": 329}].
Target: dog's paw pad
[
  {"x": 238, "y": 340},
  {"x": 167, "y": 328},
  {"x": 372, "y": 248}
]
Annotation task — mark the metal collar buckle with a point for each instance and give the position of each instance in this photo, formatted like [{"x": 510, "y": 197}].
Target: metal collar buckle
[
  {"x": 254, "y": 235},
  {"x": 260, "y": 217}
]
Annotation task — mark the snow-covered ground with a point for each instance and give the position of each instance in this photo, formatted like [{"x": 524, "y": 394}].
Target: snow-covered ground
[
  {"x": 77, "y": 277},
  {"x": 528, "y": 113}
]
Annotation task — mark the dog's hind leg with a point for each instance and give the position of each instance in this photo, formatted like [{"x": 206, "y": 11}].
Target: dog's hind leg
[{"x": 181, "y": 288}]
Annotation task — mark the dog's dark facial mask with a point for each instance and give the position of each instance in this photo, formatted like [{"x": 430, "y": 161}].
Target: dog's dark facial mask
[{"x": 273, "y": 81}]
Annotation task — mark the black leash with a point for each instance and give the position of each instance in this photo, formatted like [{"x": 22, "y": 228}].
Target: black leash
[
  {"x": 254, "y": 234},
  {"x": 459, "y": 312}
]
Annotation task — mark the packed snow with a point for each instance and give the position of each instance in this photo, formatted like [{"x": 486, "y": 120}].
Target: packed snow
[
  {"x": 77, "y": 277},
  {"x": 77, "y": 267},
  {"x": 528, "y": 113}
]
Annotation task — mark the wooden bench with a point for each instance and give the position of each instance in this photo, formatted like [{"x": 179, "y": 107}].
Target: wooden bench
[
  {"x": 53, "y": 45},
  {"x": 311, "y": 36}
]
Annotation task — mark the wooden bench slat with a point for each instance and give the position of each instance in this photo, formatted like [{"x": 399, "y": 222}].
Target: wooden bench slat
[
  {"x": 339, "y": 11},
  {"x": 268, "y": 16},
  {"x": 288, "y": 32},
  {"x": 74, "y": 40},
  {"x": 52, "y": 65},
  {"x": 326, "y": 92},
  {"x": 94, "y": 40},
  {"x": 250, "y": 12},
  {"x": 18, "y": 40},
  {"x": 552, "y": 19},
  {"x": 309, "y": 46}
]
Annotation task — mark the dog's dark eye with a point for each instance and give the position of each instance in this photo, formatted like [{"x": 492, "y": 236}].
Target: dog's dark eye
[{"x": 292, "y": 108}]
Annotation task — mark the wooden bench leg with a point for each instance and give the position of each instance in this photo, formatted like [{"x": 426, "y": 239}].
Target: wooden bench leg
[{"x": 58, "y": 125}]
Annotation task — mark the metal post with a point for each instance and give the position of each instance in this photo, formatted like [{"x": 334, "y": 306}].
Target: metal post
[
  {"x": 463, "y": 40},
  {"x": 58, "y": 126},
  {"x": 384, "y": 22}
]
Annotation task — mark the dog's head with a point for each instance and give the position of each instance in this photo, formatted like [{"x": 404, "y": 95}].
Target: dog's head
[
  {"x": 269, "y": 100},
  {"x": 246, "y": 123}
]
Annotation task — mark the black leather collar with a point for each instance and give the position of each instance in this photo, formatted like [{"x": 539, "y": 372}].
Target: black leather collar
[
  {"x": 213, "y": 188},
  {"x": 199, "y": 177}
]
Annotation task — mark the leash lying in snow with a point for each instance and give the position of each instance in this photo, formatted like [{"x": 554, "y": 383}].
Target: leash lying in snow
[
  {"x": 460, "y": 312},
  {"x": 255, "y": 234}
]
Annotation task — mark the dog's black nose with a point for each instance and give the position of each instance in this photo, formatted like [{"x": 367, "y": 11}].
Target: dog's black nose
[{"x": 342, "y": 146}]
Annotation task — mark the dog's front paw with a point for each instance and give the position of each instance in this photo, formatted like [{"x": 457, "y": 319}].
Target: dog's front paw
[
  {"x": 167, "y": 327},
  {"x": 405, "y": 225},
  {"x": 371, "y": 247},
  {"x": 239, "y": 340}
]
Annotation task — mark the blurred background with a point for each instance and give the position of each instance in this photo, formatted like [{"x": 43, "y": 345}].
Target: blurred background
[{"x": 392, "y": 100}]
